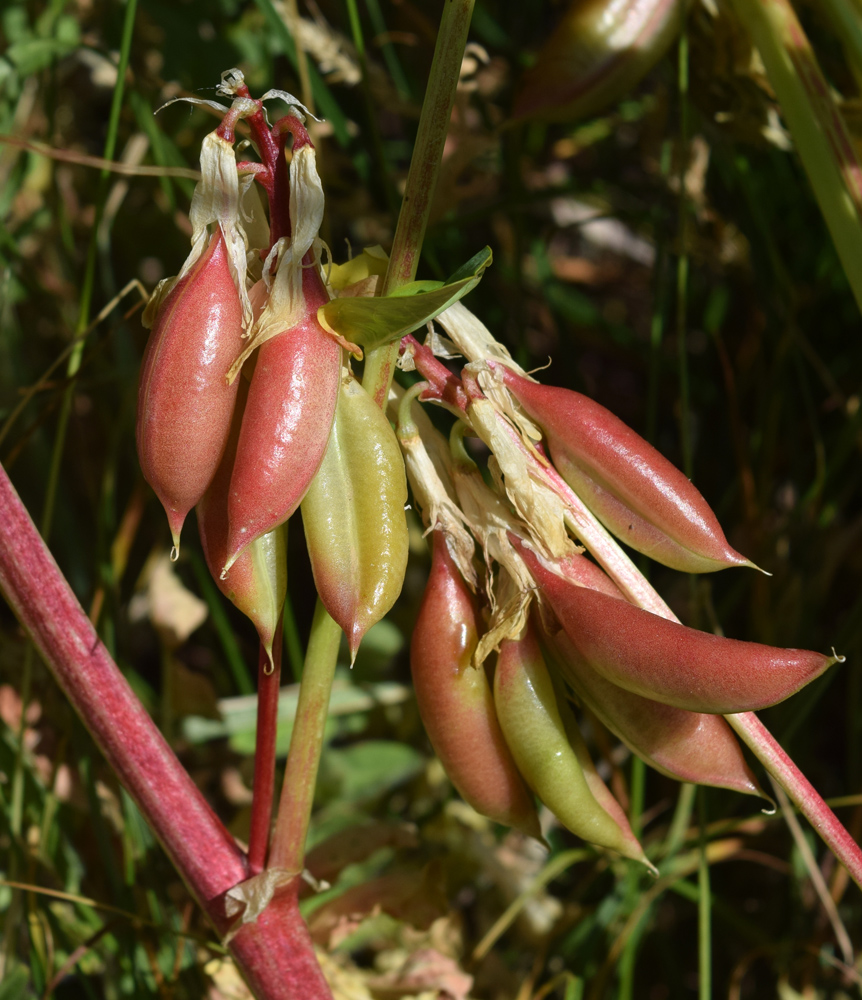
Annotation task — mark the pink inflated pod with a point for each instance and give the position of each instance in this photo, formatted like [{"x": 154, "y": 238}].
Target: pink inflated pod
[
  {"x": 257, "y": 583},
  {"x": 661, "y": 659},
  {"x": 456, "y": 703},
  {"x": 184, "y": 400},
  {"x": 630, "y": 486},
  {"x": 687, "y": 746},
  {"x": 294, "y": 387},
  {"x": 285, "y": 428}
]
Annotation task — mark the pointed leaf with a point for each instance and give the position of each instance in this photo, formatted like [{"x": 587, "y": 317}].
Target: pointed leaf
[{"x": 382, "y": 319}]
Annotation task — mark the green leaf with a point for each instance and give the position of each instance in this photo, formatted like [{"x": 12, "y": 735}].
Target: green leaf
[
  {"x": 365, "y": 770},
  {"x": 239, "y": 714},
  {"x": 371, "y": 322}
]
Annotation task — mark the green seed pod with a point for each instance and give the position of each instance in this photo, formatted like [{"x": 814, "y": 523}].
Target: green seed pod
[
  {"x": 353, "y": 515},
  {"x": 535, "y": 733}
]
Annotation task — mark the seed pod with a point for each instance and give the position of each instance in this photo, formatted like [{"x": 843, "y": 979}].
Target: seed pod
[
  {"x": 631, "y": 488},
  {"x": 600, "y": 790},
  {"x": 353, "y": 515},
  {"x": 535, "y": 733},
  {"x": 596, "y": 55},
  {"x": 184, "y": 401},
  {"x": 257, "y": 583},
  {"x": 291, "y": 403},
  {"x": 656, "y": 658},
  {"x": 456, "y": 703},
  {"x": 687, "y": 746}
]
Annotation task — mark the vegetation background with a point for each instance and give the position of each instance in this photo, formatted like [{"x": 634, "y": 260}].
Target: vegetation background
[{"x": 668, "y": 256}]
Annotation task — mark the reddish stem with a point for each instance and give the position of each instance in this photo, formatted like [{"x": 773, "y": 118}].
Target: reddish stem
[
  {"x": 800, "y": 790},
  {"x": 275, "y": 954},
  {"x": 268, "y": 687},
  {"x": 442, "y": 384}
]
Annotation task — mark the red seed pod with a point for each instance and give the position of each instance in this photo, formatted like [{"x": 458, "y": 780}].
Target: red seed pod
[
  {"x": 184, "y": 401},
  {"x": 257, "y": 584},
  {"x": 633, "y": 489},
  {"x": 291, "y": 404},
  {"x": 687, "y": 746},
  {"x": 456, "y": 703},
  {"x": 656, "y": 658}
]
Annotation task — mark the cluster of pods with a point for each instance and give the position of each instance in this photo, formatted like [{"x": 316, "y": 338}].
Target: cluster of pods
[
  {"x": 246, "y": 408},
  {"x": 563, "y": 625},
  {"x": 249, "y": 409}
]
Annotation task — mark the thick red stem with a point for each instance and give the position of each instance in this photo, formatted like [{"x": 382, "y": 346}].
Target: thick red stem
[
  {"x": 275, "y": 954},
  {"x": 268, "y": 687}
]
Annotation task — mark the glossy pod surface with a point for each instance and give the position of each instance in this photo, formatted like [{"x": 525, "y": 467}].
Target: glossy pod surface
[
  {"x": 688, "y": 746},
  {"x": 535, "y": 733},
  {"x": 630, "y": 486},
  {"x": 353, "y": 514},
  {"x": 597, "y": 53},
  {"x": 285, "y": 428},
  {"x": 656, "y": 658},
  {"x": 456, "y": 703},
  {"x": 257, "y": 581},
  {"x": 184, "y": 401}
]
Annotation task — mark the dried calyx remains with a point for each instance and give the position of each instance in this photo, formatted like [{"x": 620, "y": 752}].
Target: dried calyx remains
[{"x": 249, "y": 409}]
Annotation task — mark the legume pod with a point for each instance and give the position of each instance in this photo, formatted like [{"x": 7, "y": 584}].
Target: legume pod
[
  {"x": 656, "y": 658},
  {"x": 184, "y": 401},
  {"x": 456, "y": 703},
  {"x": 354, "y": 518},
  {"x": 630, "y": 486},
  {"x": 535, "y": 733},
  {"x": 291, "y": 403},
  {"x": 257, "y": 583},
  {"x": 688, "y": 746}
]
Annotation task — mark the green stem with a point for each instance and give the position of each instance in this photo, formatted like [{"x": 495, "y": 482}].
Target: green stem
[
  {"x": 819, "y": 132},
  {"x": 306, "y": 744},
  {"x": 421, "y": 178},
  {"x": 704, "y": 908},
  {"x": 384, "y": 174},
  {"x": 682, "y": 259},
  {"x": 681, "y": 819}
]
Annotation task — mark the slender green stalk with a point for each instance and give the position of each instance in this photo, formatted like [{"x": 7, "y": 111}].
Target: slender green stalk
[
  {"x": 819, "y": 132},
  {"x": 704, "y": 908},
  {"x": 422, "y": 177},
  {"x": 682, "y": 259},
  {"x": 681, "y": 819},
  {"x": 384, "y": 174},
  {"x": 628, "y": 959},
  {"x": 390, "y": 56},
  {"x": 306, "y": 744},
  {"x": 292, "y": 641},
  {"x": 230, "y": 646}
]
